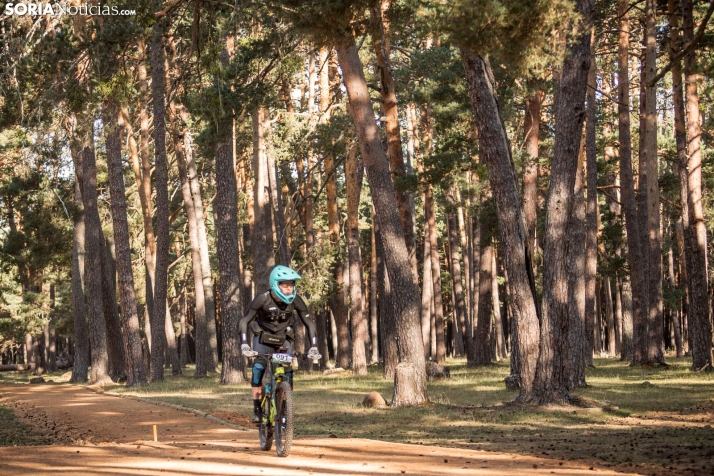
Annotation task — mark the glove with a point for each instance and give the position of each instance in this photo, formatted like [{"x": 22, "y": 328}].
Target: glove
[
  {"x": 247, "y": 351},
  {"x": 313, "y": 354}
]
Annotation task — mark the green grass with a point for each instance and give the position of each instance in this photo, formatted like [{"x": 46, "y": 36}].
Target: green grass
[{"x": 655, "y": 426}]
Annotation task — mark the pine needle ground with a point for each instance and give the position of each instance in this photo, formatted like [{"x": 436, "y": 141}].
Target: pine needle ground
[{"x": 654, "y": 421}]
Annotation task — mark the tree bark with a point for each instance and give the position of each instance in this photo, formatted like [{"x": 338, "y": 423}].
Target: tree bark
[
  {"x": 467, "y": 253},
  {"x": 409, "y": 342},
  {"x": 438, "y": 327},
  {"x": 94, "y": 239},
  {"x": 427, "y": 292},
  {"x": 115, "y": 348},
  {"x": 143, "y": 176},
  {"x": 337, "y": 300},
  {"x": 388, "y": 341},
  {"x": 576, "y": 255},
  {"x": 226, "y": 218},
  {"x": 202, "y": 348},
  {"x": 211, "y": 344},
  {"x": 495, "y": 298},
  {"x": 158, "y": 317},
  {"x": 699, "y": 313},
  {"x": 626, "y": 344},
  {"x": 482, "y": 334},
  {"x": 353, "y": 184},
  {"x": 131, "y": 338},
  {"x": 652, "y": 352},
  {"x": 263, "y": 261},
  {"x": 457, "y": 286},
  {"x": 373, "y": 312},
  {"x": 496, "y": 154},
  {"x": 382, "y": 48},
  {"x": 80, "y": 369},
  {"x": 635, "y": 256},
  {"x": 551, "y": 385},
  {"x": 591, "y": 219},
  {"x": 530, "y": 175}
]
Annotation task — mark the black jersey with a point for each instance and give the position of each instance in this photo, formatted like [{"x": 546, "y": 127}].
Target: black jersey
[{"x": 275, "y": 317}]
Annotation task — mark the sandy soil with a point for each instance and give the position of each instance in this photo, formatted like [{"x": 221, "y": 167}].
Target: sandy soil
[{"x": 99, "y": 434}]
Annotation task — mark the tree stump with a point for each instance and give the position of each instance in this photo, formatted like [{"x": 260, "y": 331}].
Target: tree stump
[{"x": 405, "y": 376}]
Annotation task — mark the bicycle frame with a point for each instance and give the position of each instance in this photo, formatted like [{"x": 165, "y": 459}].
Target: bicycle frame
[{"x": 276, "y": 371}]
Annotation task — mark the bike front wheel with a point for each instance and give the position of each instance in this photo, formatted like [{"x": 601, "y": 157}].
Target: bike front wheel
[
  {"x": 284, "y": 419},
  {"x": 265, "y": 430}
]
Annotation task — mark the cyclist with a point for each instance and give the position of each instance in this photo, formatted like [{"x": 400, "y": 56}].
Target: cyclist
[{"x": 270, "y": 319}]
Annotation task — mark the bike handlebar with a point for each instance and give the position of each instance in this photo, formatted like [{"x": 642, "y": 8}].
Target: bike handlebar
[{"x": 253, "y": 353}]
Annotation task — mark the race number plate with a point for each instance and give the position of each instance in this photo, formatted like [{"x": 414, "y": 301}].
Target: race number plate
[{"x": 283, "y": 358}]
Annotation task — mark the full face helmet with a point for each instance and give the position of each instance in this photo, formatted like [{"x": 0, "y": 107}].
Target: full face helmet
[{"x": 279, "y": 274}]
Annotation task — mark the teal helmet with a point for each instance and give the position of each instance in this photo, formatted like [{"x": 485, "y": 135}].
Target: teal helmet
[{"x": 279, "y": 274}]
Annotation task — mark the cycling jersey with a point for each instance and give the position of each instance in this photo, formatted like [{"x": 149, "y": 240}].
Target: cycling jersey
[{"x": 276, "y": 317}]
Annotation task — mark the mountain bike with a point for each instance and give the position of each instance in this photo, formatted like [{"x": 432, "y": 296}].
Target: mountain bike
[{"x": 277, "y": 421}]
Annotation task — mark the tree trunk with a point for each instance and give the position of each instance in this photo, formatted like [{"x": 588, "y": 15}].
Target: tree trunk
[
  {"x": 211, "y": 344},
  {"x": 576, "y": 254},
  {"x": 438, "y": 327},
  {"x": 699, "y": 313},
  {"x": 610, "y": 316},
  {"x": 427, "y": 292},
  {"x": 184, "y": 355},
  {"x": 353, "y": 183},
  {"x": 131, "y": 338},
  {"x": 382, "y": 48},
  {"x": 143, "y": 176},
  {"x": 406, "y": 315},
  {"x": 496, "y": 154},
  {"x": 158, "y": 317},
  {"x": 551, "y": 385},
  {"x": 388, "y": 341},
  {"x": 626, "y": 345},
  {"x": 482, "y": 333},
  {"x": 337, "y": 300},
  {"x": 467, "y": 253},
  {"x": 591, "y": 219},
  {"x": 80, "y": 368},
  {"x": 680, "y": 134},
  {"x": 373, "y": 313},
  {"x": 226, "y": 219},
  {"x": 202, "y": 349},
  {"x": 94, "y": 240},
  {"x": 495, "y": 296},
  {"x": 635, "y": 256},
  {"x": 115, "y": 348},
  {"x": 652, "y": 352},
  {"x": 530, "y": 175},
  {"x": 263, "y": 261},
  {"x": 459, "y": 302}
]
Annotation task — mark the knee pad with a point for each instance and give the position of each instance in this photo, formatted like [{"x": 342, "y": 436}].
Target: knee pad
[
  {"x": 258, "y": 371},
  {"x": 288, "y": 377}
]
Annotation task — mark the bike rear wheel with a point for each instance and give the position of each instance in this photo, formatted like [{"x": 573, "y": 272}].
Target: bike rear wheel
[
  {"x": 284, "y": 419},
  {"x": 265, "y": 430}
]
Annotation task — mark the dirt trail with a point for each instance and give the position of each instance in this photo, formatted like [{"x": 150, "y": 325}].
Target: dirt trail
[{"x": 99, "y": 434}]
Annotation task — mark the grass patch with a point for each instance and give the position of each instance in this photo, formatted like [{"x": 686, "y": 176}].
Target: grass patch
[{"x": 657, "y": 421}]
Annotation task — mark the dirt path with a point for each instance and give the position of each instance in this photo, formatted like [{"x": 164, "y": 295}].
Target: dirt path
[{"x": 99, "y": 434}]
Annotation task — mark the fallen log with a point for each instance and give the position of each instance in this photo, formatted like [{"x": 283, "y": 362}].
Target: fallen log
[{"x": 16, "y": 367}]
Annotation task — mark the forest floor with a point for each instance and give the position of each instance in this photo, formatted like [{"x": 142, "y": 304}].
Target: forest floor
[
  {"x": 650, "y": 421},
  {"x": 92, "y": 433}
]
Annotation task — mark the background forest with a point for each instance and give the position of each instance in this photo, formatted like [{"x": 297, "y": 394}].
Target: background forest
[{"x": 486, "y": 179}]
